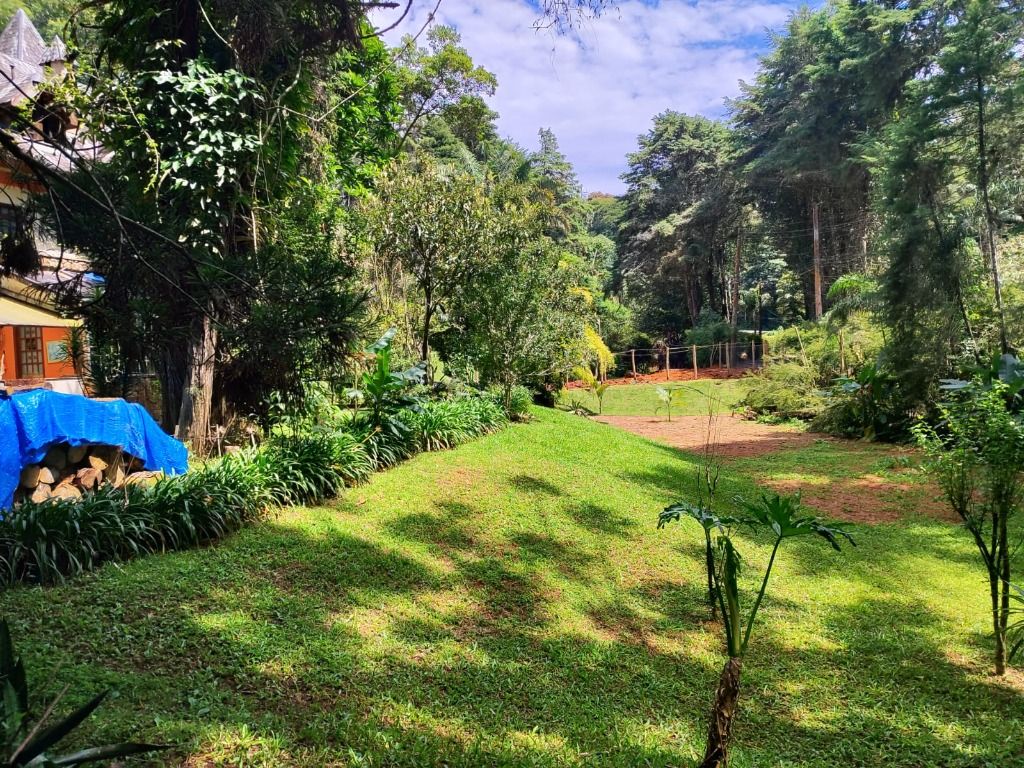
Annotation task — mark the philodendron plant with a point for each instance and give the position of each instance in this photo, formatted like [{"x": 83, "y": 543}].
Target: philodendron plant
[{"x": 781, "y": 516}]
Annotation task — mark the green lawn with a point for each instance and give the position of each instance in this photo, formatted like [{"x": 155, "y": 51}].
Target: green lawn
[
  {"x": 511, "y": 603},
  {"x": 642, "y": 399}
]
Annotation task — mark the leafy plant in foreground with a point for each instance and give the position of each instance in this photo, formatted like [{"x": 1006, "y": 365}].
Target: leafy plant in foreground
[
  {"x": 781, "y": 515},
  {"x": 977, "y": 455},
  {"x": 27, "y": 745}
]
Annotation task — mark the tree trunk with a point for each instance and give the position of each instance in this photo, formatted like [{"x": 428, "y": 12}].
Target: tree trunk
[
  {"x": 197, "y": 396},
  {"x": 425, "y": 341},
  {"x": 1002, "y": 611},
  {"x": 990, "y": 219},
  {"x": 722, "y": 713}
]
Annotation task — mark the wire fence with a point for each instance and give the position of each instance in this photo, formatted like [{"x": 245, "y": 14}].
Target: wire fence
[{"x": 691, "y": 358}]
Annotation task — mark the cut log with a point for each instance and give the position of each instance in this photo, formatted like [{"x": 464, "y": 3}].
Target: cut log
[
  {"x": 88, "y": 478},
  {"x": 30, "y": 477},
  {"x": 56, "y": 457},
  {"x": 143, "y": 478},
  {"x": 98, "y": 462},
  {"x": 114, "y": 475},
  {"x": 40, "y": 494},
  {"x": 77, "y": 454},
  {"x": 48, "y": 475},
  {"x": 66, "y": 491}
]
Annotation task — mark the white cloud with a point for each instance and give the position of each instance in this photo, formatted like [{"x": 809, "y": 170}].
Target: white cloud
[{"x": 599, "y": 88}]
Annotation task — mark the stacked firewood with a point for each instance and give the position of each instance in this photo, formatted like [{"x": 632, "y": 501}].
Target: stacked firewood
[{"x": 67, "y": 471}]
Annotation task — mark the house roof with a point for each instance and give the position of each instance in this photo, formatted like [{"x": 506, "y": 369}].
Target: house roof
[{"x": 23, "y": 56}]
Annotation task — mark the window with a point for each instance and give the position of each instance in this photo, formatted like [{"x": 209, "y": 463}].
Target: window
[
  {"x": 8, "y": 219},
  {"x": 30, "y": 351}
]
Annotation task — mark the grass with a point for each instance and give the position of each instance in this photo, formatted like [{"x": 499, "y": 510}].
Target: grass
[
  {"x": 642, "y": 400},
  {"x": 510, "y": 603}
]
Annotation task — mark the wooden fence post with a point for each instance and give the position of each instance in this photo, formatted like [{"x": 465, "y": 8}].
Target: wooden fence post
[
  {"x": 632, "y": 355},
  {"x": 728, "y": 355},
  {"x": 753, "y": 354},
  {"x": 695, "y": 361},
  {"x": 668, "y": 363}
]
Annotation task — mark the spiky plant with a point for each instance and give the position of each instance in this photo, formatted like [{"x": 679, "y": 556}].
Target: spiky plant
[{"x": 28, "y": 745}]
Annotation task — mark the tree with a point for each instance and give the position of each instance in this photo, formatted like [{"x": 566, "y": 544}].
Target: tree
[
  {"x": 681, "y": 211},
  {"x": 441, "y": 79},
  {"x": 978, "y": 458},
  {"x": 426, "y": 224},
  {"x": 521, "y": 321},
  {"x": 551, "y": 170},
  {"x": 215, "y": 125}
]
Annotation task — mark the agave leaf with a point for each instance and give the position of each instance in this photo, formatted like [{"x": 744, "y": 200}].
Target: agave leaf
[
  {"x": 108, "y": 752},
  {"x": 49, "y": 737}
]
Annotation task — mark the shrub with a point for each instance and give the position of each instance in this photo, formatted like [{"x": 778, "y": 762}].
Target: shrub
[
  {"x": 390, "y": 443},
  {"x": 441, "y": 424},
  {"x": 710, "y": 329},
  {"x": 784, "y": 390},
  {"x": 520, "y": 399},
  {"x": 869, "y": 405}
]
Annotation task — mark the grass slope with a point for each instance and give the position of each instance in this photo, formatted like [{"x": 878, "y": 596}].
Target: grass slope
[{"x": 511, "y": 603}]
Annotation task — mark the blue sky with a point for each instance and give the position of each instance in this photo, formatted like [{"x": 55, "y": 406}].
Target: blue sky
[{"x": 599, "y": 88}]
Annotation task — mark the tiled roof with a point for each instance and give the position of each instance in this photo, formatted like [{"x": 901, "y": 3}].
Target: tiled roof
[{"x": 21, "y": 40}]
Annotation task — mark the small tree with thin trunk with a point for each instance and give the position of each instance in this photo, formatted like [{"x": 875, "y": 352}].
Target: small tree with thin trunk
[
  {"x": 977, "y": 454},
  {"x": 429, "y": 223},
  {"x": 781, "y": 515}
]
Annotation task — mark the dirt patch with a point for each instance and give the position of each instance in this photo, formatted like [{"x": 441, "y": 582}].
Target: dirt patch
[
  {"x": 859, "y": 496},
  {"x": 868, "y": 499},
  {"x": 737, "y": 438}
]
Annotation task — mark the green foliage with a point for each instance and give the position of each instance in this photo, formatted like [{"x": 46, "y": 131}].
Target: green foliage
[
  {"x": 669, "y": 397},
  {"x": 517, "y": 406},
  {"x": 868, "y": 405},
  {"x": 23, "y": 743},
  {"x": 442, "y": 424},
  {"x": 783, "y": 391},
  {"x": 977, "y": 455}
]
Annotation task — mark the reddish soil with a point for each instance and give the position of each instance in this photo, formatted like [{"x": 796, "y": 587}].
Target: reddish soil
[
  {"x": 859, "y": 496},
  {"x": 680, "y": 374},
  {"x": 737, "y": 438}
]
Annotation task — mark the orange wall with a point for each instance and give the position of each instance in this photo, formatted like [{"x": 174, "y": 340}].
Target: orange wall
[
  {"x": 7, "y": 350},
  {"x": 51, "y": 370},
  {"x": 55, "y": 370}
]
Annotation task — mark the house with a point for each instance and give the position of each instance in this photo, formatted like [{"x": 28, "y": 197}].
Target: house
[{"x": 33, "y": 331}]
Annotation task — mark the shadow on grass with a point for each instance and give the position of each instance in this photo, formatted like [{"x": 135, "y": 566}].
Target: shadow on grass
[{"x": 334, "y": 649}]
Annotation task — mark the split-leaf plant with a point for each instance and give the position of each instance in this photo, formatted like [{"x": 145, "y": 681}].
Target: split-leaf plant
[
  {"x": 28, "y": 745},
  {"x": 781, "y": 516}
]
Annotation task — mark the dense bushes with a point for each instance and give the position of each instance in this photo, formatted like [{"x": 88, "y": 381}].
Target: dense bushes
[
  {"x": 45, "y": 542},
  {"x": 784, "y": 391}
]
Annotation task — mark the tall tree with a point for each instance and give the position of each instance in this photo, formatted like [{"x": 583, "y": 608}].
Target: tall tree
[{"x": 441, "y": 79}]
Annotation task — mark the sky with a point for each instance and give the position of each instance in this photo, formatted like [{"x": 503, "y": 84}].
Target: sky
[{"x": 600, "y": 87}]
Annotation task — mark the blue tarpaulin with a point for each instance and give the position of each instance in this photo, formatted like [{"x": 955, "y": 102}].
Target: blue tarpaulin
[{"x": 34, "y": 421}]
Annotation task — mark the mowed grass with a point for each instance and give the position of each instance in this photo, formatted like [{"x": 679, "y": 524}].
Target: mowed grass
[
  {"x": 642, "y": 399},
  {"x": 511, "y": 603}
]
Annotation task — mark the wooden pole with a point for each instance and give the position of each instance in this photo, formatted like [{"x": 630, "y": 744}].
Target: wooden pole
[
  {"x": 695, "y": 361},
  {"x": 818, "y": 308},
  {"x": 668, "y": 363},
  {"x": 632, "y": 355},
  {"x": 753, "y": 354},
  {"x": 728, "y": 355}
]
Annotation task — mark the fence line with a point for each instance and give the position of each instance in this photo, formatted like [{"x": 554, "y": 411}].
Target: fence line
[{"x": 725, "y": 355}]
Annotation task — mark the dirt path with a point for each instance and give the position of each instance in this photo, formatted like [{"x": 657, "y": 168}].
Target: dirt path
[
  {"x": 737, "y": 438},
  {"x": 846, "y": 484}
]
